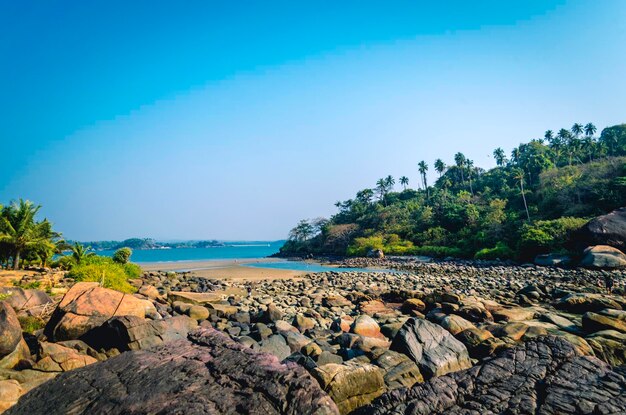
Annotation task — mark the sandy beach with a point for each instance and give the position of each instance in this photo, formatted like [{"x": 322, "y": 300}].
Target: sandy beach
[{"x": 225, "y": 269}]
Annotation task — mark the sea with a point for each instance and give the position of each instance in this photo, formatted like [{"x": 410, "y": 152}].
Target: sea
[{"x": 232, "y": 250}]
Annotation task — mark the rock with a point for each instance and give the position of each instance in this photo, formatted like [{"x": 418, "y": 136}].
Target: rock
[
  {"x": 366, "y": 326},
  {"x": 56, "y": 358},
  {"x": 455, "y": 324},
  {"x": 277, "y": 346},
  {"x": 583, "y": 302},
  {"x": 10, "y": 392},
  {"x": 434, "y": 350},
  {"x": 303, "y": 323},
  {"x": 605, "y": 320},
  {"x": 552, "y": 260},
  {"x": 513, "y": 314},
  {"x": 609, "y": 229},
  {"x": 150, "y": 291},
  {"x": 400, "y": 370},
  {"x": 542, "y": 376},
  {"x": 208, "y": 374},
  {"x": 195, "y": 298},
  {"x": 350, "y": 385},
  {"x": 198, "y": 313},
  {"x": 133, "y": 333},
  {"x": 411, "y": 305},
  {"x": 608, "y": 347},
  {"x": 273, "y": 314},
  {"x": 86, "y": 306},
  {"x": 514, "y": 330},
  {"x": 376, "y": 253},
  {"x": 343, "y": 324},
  {"x": 603, "y": 256},
  {"x": 472, "y": 338},
  {"x": 560, "y": 321},
  {"x": 336, "y": 300},
  {"x": 9, "y": 328},
  {"x": 21, "y": 299},
  {"x": 13, "y": 359}
]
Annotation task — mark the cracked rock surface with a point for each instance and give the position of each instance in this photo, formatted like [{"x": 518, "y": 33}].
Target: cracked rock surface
[
  {"x": 546, "y": 375},
  {"x": 207, "y": 374}
]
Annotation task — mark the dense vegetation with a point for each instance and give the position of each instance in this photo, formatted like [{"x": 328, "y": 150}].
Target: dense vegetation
[
  {"x": 27, "y": 241},
  {"x": 148, "y": 243},
  {"x": 528, "y": 204}
]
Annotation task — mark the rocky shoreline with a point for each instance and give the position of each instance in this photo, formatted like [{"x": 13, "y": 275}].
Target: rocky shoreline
[{"x": 371, "y": 340}]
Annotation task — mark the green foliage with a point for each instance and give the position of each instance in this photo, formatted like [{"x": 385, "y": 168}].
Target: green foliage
[
  {"x": 122, "y": 255},
  {"x": 107, "y": 272},
  {"x": 30, "y": 324},
  {"x": 437, "y": 251},
  {"x": 500, "y": 251},
  {"x": 547, "y": 235}
]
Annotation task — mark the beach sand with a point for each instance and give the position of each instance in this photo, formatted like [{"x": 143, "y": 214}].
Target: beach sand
[{"x": 225, "y": 269}]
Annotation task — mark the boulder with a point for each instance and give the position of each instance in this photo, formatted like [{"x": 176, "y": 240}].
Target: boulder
[
  {"x": 195, "y": 298},
  {"x": 86, "y": 306},
  {"x": 57, "y": 358},
  {"x": 376, "y": 253},
  {"x": 605, "y": 320},
  {"x": 583, "y": 302},
  {"x": 609, "y": 229},
  {"x": 400, "y": 370},
  {"x": 412, "y": 305},
  {"x": 608, "y": 345},
  {"x": 209, "y": 373},
  {"x": 455, "y": 324},
  {"x": 198, "y": 313},
  {"x": 29, "y": 299},
  {"x": 552, "y": 260},
  {"x": 366, "y": 326},
  {"x": 513, "y": 314},
  {"x": 10, "y": 392},
  {"x": 9, "y": 328},
  {"x": 472, "y": 338},
  {"x": 350, "y": 385},
  {"x": 133, "y": 333},
  {"x": 276, "y": 345},
  {"x": 542, "y": 376},
  {"x": 434, "y": 350},
  {"x": 603, "y": 256}
]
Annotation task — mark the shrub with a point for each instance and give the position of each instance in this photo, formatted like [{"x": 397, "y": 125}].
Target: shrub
[
  {"x": 547, "y": 236},
  {"x": 500, "y": 251},
  {"x": 122, "y": 255},
  {"x": 107, "y": 272},
  {"x": 30, "y": 324},
  {"x": 437, "y": 251},
  {"x": 361, "y": 246}
]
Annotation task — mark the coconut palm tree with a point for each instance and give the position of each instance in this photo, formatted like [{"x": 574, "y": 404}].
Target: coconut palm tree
[
  {"x": 519, "y": 175},
  {"x": 389, "y": 182},
  {"x": 80, "y": 252},
  {"x": 549, "y": 135},
  {"x": 381, "y": 188},
  {"x": 470, "y": 168},
  {"x": 459, "y": 160},
  {"x": 21, "y": 232},
  {"x": 500, "y": 156},
  {"x": 440, "y": 166},
  {"x": 590, "y": 129},
  {"x": 404, "y": 181},
  {"x": 577, "y": 129},
  {"x": 423, "y": 168}
]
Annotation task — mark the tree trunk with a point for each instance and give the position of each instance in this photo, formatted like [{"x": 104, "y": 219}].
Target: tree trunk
[
  {"x": 16, "y": 259},
  {"x": 521, "y": 183}
]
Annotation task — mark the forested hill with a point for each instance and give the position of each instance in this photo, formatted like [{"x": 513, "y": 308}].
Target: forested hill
[{"x": 526, "y": 205}]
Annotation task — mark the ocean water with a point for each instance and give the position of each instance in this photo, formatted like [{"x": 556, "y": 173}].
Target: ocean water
[{"x": 235, "y": 250}]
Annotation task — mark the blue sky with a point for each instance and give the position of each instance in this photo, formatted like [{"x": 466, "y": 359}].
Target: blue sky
[{"x": 233, "y": 120}]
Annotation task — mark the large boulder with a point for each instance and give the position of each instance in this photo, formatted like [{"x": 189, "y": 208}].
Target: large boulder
[
  {"x": 583, "y": 302},
  {"x": 350, "y": 385},
  {"x": 57, "y": 358},
  {"x": 603, "y": 256},
  {"x": 86, "y": 306},
  {"x": 10, "y": 329},
  {"x": 609, "y": 229},
  {"x": 433, "y": 348},
  {"x": 29, "y": 299},
  {"x": 543, "y": 376},
  {"x": 209, "y": 373}
]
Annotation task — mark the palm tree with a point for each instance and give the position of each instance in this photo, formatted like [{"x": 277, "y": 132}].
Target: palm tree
[
  {"x": 590, "y": 129},
  {"x": 20, "y": 231},
  {"x": 80, "y": 252},
  {"x": 440, "y": 166},
  {"x": 459, "y": 160},
  {"x": 577, "y": 129},
  {"x": 500, "y": 156},
  {"x": 389, "y": 182},
  {"x": 404, "y": 181},
  {"x": 423, "y": 168},
  {"x": 381, "y": 188},
  {"x": 470, "y": 167},
  {"x": 519, "y": 175},
  {"x": 549, "y": 136},
  {"x": 566, "y": 137}
]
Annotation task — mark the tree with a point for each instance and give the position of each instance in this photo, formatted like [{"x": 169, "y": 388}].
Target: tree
[
  {"x": 470, "y": 168},
  {"x": 381, "y": 188},
  {"x": 21, "y": 232},
  {"x": 590, "y": 129},
  {"x": 79, "y": 252},
  {"x": 122, "y": 255},
  {"x": 404, "y": 181},
  {"x": 519, "y": 175},
  {"x": 500, "y": 156},
  {"x": 423, "y": 168},
  {"x": 440, "y": 166},
  {"x": 389, "y": 182},
  {"x": 577, "y": 129},
  {"x": 549, "y": 136},
  {"x": 459, "y": 160},
  {"x": 302, "y": 232}
]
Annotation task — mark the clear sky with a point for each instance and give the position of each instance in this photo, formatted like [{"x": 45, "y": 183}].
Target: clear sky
[{"x": 233, "y": 120}]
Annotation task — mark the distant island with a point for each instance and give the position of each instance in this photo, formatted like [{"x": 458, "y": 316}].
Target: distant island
[{"x": 149, "y": 243}]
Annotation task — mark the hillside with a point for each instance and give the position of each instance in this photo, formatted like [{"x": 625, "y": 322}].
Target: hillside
[{"x": 526, "y": 205}]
